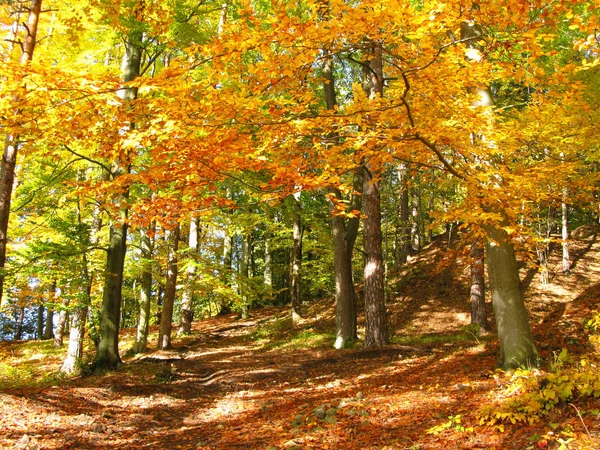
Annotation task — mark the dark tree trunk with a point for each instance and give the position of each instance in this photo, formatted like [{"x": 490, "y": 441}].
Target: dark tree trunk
[
  {"x": 40, "y": 322},
  {"x": 517, "y": 348},
  {"x": 19, "y": 330},
  {"x": 166, "y": 317},
  {"x": 478, "y": 308},
  {"x": 11, "y": 143}
]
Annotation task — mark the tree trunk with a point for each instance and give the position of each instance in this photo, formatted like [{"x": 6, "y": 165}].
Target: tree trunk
[
  {"x": 11, "y": 143},
  {"x": 296, "y": 260},
  {"x": 517, "y": 348},
  {"x": 405, "y": 246},
  {"x": 566, "y": 263},
  {"x": 108, "y": 347},
  {"x": 344, "y": 289},
  {"x": 376, "y": 334},
  {"x": 49, "y": 327},
  {"x": 478, "y": 308},
  {"x": 61, "y": 323},
  {"x": 187, "y": 308},
  {"x": 166, "y": 317},
  {"x": 141, "y": 340},
  {"x": 40, "y": 322},
  {"x": 19, "y": 330},
  {"x": 268, "y": 271},
  {"x": 75, "y": 349},
  {"x": 244, "y": 276}
]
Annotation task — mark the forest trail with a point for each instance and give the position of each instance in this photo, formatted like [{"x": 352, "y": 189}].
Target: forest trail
[{"x": 258, "y": 384}]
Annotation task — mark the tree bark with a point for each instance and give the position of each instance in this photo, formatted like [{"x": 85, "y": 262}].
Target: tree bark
[
  {"x": 296, "y": 260},
  {"x": 566, "y": 262},
  {"x": 11, "y": 143},
  {"x": 478, "y": 308},
  {"x": 75, "y": 349},
  {"x": 40, "y": 322},
  {"x": 19, "y": 330},
  {"x": 108, "y": 347},
  {"x": 61, "y": 323},
  {"x": 376, "y": 334},
  {"x": 166, "y": 317},
  {"x": 517, "y": 348},
  {"x": 187, "y": 307},
  {"x": 141, "y": 340}
]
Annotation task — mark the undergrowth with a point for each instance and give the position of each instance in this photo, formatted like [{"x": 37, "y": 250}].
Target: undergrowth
[{"x": 530, "y": 395}]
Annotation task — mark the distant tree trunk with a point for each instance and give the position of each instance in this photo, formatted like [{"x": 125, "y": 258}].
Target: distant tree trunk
[
  {"x": 268, "y": 270},
  {"x": 405, "y": 246},
  {"x": 11, "y": 143},
  {"x": 517, "y": 348},
  {"x": 566, "y": 262},
  {"x": 108, "y": 347},
  {"x": 40, "y": 322},
  {"x": 415, "y": 213},
  {"x": 49, "y": 327},
  {"x": 19, "y": 330},
  {"x": 166, "y": 318},
  {"x": 187, "y": 308},
  {"x": 245, "y": 275},
  {"x": 61, "y": 323},
  {"x": 478, "y": 308},
  {"x": 296, "y": 260},
  {"x": 376, "y": 333},
  {"x": 147, "y": 247}
]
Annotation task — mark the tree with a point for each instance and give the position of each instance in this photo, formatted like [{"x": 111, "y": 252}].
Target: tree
[
  {"x": 166, "y": 317},
  {"x": 108, "y": 348},
  {"x": 11, "y": 142}
]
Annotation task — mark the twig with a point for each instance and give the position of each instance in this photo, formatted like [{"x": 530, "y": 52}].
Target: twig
[{"x": 582, "y": 422}]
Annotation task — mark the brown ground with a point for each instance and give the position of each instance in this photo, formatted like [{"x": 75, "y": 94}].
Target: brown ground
[{"x": 222, "y": 390}]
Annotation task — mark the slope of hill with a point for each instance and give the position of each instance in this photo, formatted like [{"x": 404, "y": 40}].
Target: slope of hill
[{"x": 261, "y": 384}]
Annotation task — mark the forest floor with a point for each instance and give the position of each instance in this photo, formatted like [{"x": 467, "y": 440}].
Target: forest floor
[{"x": 261, "y": 384}]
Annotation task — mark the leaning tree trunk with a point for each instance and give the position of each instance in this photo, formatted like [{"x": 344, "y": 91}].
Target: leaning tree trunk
[
  {"x": 166, "y": 317},
  {"x": 517, "y": 348},
  {"x": 108, "y": 347},
  {"x": 11, "y": 143},
  {"x": 187, "y": 307}
]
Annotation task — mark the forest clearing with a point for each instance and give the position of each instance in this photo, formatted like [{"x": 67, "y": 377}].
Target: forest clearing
[
  {"x": 262, "y": 384},
  {"x": 341, "y": 224}
]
